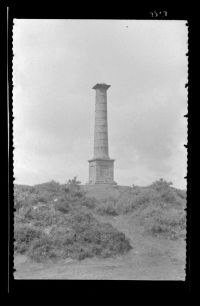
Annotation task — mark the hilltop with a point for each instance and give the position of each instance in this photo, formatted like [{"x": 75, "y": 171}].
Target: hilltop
[{"x": 56, "y": 222}]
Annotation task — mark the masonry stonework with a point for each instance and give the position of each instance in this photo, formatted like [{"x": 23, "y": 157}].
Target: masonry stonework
[{"x": 101, "y": 167}]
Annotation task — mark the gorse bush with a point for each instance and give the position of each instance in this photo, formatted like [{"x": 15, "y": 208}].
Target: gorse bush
[
  {"x": 72, "y": 190},
  {"x": 43, "y": 249},
  {"x": 127, "y": 202},
  {"x": 79, "y": 236},
  {"x": 161, "y": 185},
  {"x": 33, "y": 195},
  {"x": 132, "y": 199},
  {"x": 89, "y": 202},
  {"x": 63, "y": 206},
  {"x": 71, "y": 195},
  {"x": 107, "y": 207},
  {"x": 43, "y": 216},
  {"x": 23, "y": 196},
  {"x": 159, "y": 219},
  {"x": 24, "y": 235},
  {"x": 50, "y": 187}
]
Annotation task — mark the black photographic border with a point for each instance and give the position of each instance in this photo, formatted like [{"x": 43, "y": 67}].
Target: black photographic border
[{"x": 33, "y": 10}]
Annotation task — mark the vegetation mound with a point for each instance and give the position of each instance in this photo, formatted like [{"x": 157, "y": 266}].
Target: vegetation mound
[
  {"x": 65, "y": 228},
  {"x": 161, "y": 220},
  {"x": 160, "y": 208},
  {"x": 54, "y": 221}
]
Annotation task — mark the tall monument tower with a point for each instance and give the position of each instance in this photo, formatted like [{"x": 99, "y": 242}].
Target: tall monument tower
[{"x": 101, "y": 167}]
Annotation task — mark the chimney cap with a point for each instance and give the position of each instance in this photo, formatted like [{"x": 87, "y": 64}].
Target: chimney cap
[{"x": 101, "y": 86}]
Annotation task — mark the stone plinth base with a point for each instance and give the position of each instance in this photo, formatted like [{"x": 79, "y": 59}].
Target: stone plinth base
[{"x": 101, "y": 171}]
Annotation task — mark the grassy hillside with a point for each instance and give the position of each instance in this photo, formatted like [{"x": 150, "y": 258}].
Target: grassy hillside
[
  {"x": 55, "y": 221},
  {"x": 159, "y": 208}
]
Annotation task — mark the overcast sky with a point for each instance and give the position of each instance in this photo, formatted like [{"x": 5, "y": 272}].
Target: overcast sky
[{"x": 55, "y": 65}]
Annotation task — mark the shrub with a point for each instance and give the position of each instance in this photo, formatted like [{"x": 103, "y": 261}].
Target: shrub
[
  {"x": 100, "y": 236},
  {"x": 32, "y": 195},
  {"x": 43, "y": 249},
  {"x": 72, "y": 197},
  {"x": 79, "y": 235},
  {"x": 89, "y": 202},
  {"x": 161, "y": 185},
  {"x": 62, "y": 235},
  {"x": 24, "y": 236},
  {"x": 40, "y": 215},
  {"x": 72, "y": 191},
  {"x": 51, "y": 187},
  {"x": 138, "y": 198},
  {"x": 63, "y": 206},
  {"x": 20, "y": 215},
  {"x": 22, "y": 196},
  {"x": 168, "y": 196},
  {"x": 128, "y": 201},
  {"x": 107, "y": 207},
  {"x": 166, "y": 230},
  {"x": 131, "y": 201},
  {"x": 159, "y": 219},
  {"x": 181, "y": 193}
]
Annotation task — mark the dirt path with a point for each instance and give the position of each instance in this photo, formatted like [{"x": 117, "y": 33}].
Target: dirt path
[{"x": 150, "y": 259}]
